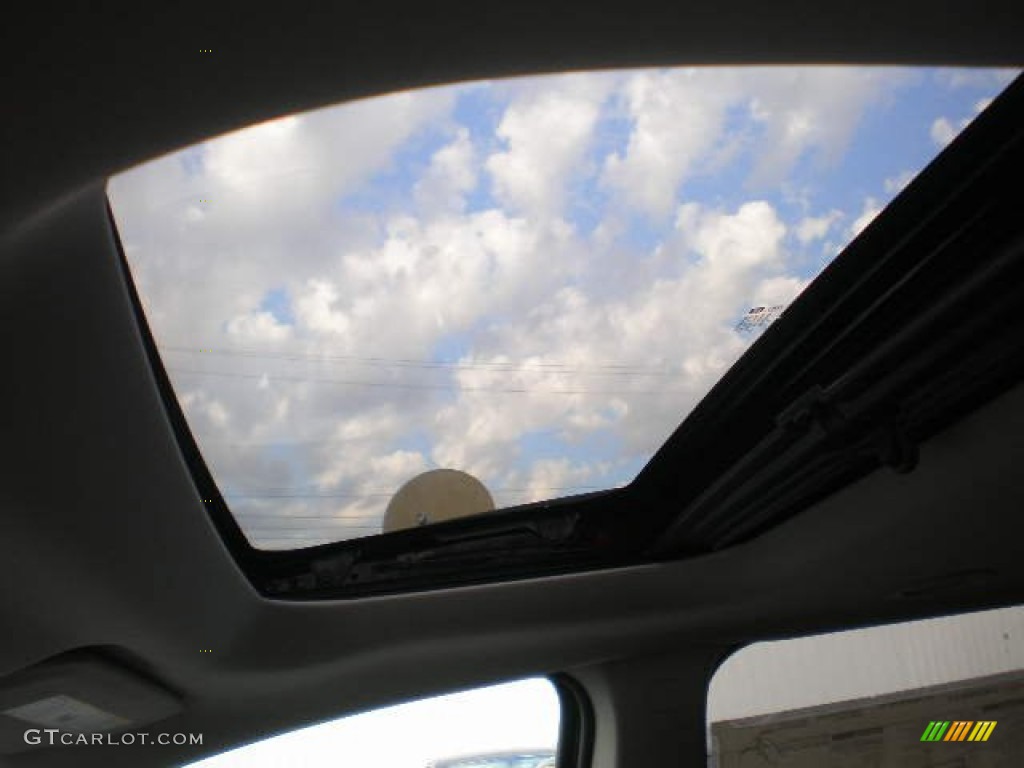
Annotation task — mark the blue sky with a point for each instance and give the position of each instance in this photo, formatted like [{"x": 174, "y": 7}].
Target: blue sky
[{"x": 530, "y": 280}]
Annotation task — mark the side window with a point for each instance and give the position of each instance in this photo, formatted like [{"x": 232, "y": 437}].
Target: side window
[
  {"x": 946, "y": 691},
  {"x": 513, "y": 725}
]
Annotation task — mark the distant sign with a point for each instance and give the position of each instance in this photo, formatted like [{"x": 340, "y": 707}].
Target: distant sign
[{"x": 759, "y": 317}]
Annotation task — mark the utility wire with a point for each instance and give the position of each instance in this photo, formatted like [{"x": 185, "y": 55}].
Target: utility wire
[
  {"x": 309, "y": 492},
  {"x": 411, "y": 386},
  {"x": 321, "y": 441},
  {"x": 607, "y": 369}
]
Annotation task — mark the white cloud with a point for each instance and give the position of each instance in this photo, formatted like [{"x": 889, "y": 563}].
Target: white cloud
[
  {"x": 976, "y": 78},
  {"x": 810, "y": 110},
  {"x": 680, "y": 118},
  {"x": 451, "y": 175},
  {"x": 813, "y": 228},
  {"x": 273, "y": 178},
  {"x": 252, "y": 196},
  {"x": 945, "y": 129},
  {"x": 676, "y": 117},
  {"x": 720, "y": 261},
  {"x": 517, "y": 343},
  {"x": 546, "y": 474},
  {"x": 315, "y": 310},
  {"x": 896, "y": 184},
  {"x": 398, "y": 296},
  {"x": 257, "y": 327},
  {"x": 372, "y": 472},
  {"x": 546, "y": 131},
  {"x": 868, "y": 213}
]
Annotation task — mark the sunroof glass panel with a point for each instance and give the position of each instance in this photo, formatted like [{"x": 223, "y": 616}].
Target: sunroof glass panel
[{"x": 531, "y": 280}]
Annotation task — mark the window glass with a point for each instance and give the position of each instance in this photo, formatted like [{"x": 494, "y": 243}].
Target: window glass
[
  {"x": 514, "y": 725},
  {"x": 531, "y": 281},
  {"x": 941, "y": 692}
]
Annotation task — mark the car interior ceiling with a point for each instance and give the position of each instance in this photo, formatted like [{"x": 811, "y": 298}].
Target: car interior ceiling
[{"x": 110, "y": 551}]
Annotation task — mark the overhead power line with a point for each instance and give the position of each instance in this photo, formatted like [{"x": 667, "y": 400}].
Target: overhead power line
[
  {"x": 417, "y": 386},
  {"x": 268, "y": 442},
  {"x": 301, "y": 493},
  {"x": 547, "y": 366}
]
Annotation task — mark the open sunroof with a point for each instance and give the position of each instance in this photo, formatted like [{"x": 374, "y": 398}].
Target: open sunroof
[{"x": 532, "y": 280}]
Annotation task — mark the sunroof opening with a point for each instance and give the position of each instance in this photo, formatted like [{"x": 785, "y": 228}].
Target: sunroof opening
[{"x": 530, "y": 281}]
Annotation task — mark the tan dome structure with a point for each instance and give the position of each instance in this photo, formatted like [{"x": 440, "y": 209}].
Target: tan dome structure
[{"x": 434, "y": 496}]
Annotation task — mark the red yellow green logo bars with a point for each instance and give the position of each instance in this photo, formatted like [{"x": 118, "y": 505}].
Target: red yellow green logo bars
[{"x": 958, "y": 730}]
